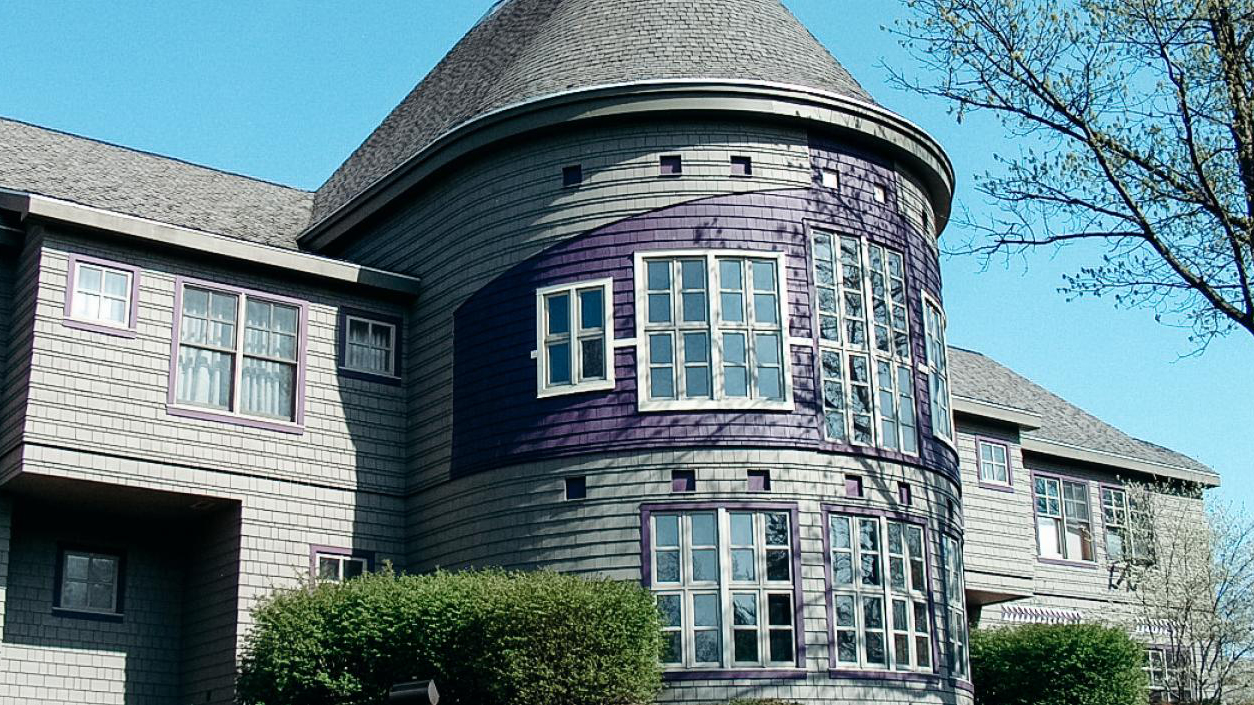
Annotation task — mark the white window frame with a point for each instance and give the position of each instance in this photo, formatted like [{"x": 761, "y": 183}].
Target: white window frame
[
  {"x": 76, "y": 294},
  {"x": 1061, "y": 517},
  {"x": 980, "y": 444},
  {"x": 1156, "y": 668},
  {"x": 1137, "y": 546},
  {"x": 574, "y": 336},
  {"x": 934, "y": 370},
  {"x": 391, "y": 352},
  {"x": 896, "y": 360},
  {"x": 957, "y": 633},
  {"x": 232, "y": 411},
  {"x": 726, "y": 588},
  {"x": 90, "y": 555},
  {"x": 712, "y": 326},
  {"x": 915, "y": 593},
  {"x": 341, "y": 560}
]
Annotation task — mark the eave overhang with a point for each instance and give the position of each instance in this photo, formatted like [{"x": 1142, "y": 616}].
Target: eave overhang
[
  {"x": 28, "y": 206},
  {"x": 863, "y": 124}
]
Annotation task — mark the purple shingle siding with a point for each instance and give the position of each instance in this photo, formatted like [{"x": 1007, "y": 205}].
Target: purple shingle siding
[{"x": 497, "y": 419}]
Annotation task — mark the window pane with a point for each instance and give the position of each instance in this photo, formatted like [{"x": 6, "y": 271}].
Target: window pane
[
  {"x": 745, "y": 645},
  {"x": 694, "y": 307},
  {"x": 705, "y": 610},
  {"x": 840, "y": 533},
  {"x": 353, "y": 568},
  {"x": 668, "y": 566},
  {"x": 842, "y": 569},
  {"x": 1048, "y": 538},
  {"x": 705, "y": 565},
  {"x": 358, "y": 332},
  {"x": 777, "y": 565},
  {"x": 103, "y": 570},
  {"x": 733, "y": 305},
  {"x": 731, "y": 275},
  {"x": 73, "y": 595},
  {"x": 708, "y": 648},
  {"x": 672, "y": 648},
  {"x": 285, "y": 318},
  {"x": 671, "y": 607},
  {"x": 591, "y": 309},
  {"x": 89, "y": 278},
  {"x": 660, "y": 349},
  {"x": 659, "y": 275},
  {"x": 558, "y": 306},
  {"x": 743, "y": 564},
  {"x": 559, "y": 363},
  {"x": 779, "y": 610},
  {"x": 77, "y": 566},
  {"x": 205, "y": 377},
  {"x": 593, "y": 352},
  {"x": 742, "y": 529},
  {"x": 100, "y": 597},
  {"x": 667, "y": 530},
  {"x": 704, "y": 532},
  {"x": 328, "y": 568},
  {"x": 765, "y": 309},
  {"x": 659, "y": 308},
  {"x": 86, "y": 306},
  {"x": 745, "y": 609},
  {"x": 266, "y": 388},
  {"x": 781, "y": 645},
  {"x": 777, "y": 530},
  {"x": 692, "y": 273},
  {"x": 196, "y": 302},
  {"x": 764, "y": 276},
  {"x": 847, "y": 647}
]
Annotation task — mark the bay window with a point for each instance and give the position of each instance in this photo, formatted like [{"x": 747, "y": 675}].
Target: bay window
[
  {"x": 238, "y": 353},
  {"x": 1064, "y": 528},
  {"x": 726, "y": 586},
  {"x": 881, "y": 616},
  {"x": 710, "y": 331},
  {"x": 864, "y": 343},
  {"x": 574, "y": 351}
]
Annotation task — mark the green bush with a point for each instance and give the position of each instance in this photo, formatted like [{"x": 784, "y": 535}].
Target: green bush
[
  {"x": 487, "y": 638},
  {"x": 1080, "y": 664}
]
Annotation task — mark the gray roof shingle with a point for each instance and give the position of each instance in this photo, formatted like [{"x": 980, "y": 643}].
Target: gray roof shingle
[
  {"x": 526, "y": 49},
  {"x": 59, "y": 165},
  {"x": 977, "y": 376}
]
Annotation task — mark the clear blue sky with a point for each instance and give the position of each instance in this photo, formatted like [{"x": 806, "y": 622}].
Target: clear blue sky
[{"x": 284, "y": 90}]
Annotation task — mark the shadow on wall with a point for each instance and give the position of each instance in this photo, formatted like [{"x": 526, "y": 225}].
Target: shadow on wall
[{"x": 175, "y": 626}]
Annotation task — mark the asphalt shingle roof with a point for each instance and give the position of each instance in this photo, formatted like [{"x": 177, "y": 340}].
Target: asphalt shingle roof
[
  {"x": 59, "y": 165},
  {"x": 978, "y": 376},
  {"x": 526, "y": 49}
]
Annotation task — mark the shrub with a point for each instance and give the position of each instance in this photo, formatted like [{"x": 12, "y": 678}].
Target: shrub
[
  {"x": 1079, "y": 664},
  {"x": 486, "y": 637}
]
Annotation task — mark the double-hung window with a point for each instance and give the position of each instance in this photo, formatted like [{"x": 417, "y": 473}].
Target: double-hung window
[
  {"x": 90, "y": 582},
  {"x": 1064, "y": 529},
  {"x": 101, "y": 295},
  {"x": 864, "y": 343},
  {"x": 726, "y": 587},
  {"x": 881, "y": 617},
  {"x": 994, "y": 461},
  {"x": 238, "y": 353},
  {"x": 573, "y": 338},
  {"x": 711, "y": 331},
  {"x": 955, "y": 606},
  {"x": 938, "y": 369},
  {"x": 337, "y": 567},
  {"x": 1129, "y": 532}
]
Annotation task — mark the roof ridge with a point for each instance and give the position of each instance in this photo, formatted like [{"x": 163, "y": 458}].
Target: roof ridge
[{"x": 148, "y": 153}]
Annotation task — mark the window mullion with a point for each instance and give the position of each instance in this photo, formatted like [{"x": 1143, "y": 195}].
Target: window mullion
[
  {"x": 574, "y": 329},
  {"x": 714, "y": 315},
  {"x": 241, "y": 306},
  {"x": 726, "y": 628}
]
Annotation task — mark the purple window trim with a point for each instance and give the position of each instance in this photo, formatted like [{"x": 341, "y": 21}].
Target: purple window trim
[
  {"x": 671, "y": 165},
  {"x": 854, "y": 489},
  {"x": 576, "y": 488},
  {"x": 905, "y": 494},
  {"x": 979, "y": 460},
  {"x": 297, "y": 425},
  {"x": 341, "y": 345},
  {"x": 314, "y": 550},
  {"x": 758, "y": 481},
  {"x": 118, "y": 615},
  {"x": 572, "y": 175},
  {"x": 729, "y": 674},
  {"x": 647, "y": 510},
  {"x": 1036, "y": 526},
  {"x": 834, "y": 668},
  {"x": 741, "y": 166},
  {"x": 131, "y": 330},
  {"x": 683, "y": 481}
]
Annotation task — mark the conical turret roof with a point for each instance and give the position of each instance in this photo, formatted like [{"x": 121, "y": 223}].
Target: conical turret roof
[{"x": 526, "y": 49}]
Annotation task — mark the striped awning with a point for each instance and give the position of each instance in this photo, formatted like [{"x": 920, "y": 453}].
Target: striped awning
[{"x": 1027, "y": 614}]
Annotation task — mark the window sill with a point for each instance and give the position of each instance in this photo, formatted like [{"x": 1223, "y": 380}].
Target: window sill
[
  {"x": 646, "y": 406},
  {"x": 1064, "y": 563},
  {"x": 89, "y": 615},
  {"x": 191, "y": 412},
  {"x": 600, "y": 385},
  {"x": 348, "y": 373},
  {"x": 97, "y": 327},
  {"x": 915, "y": 676},
  {"x": 732, "y": 674},
  {"x": 996, "y": 486}
]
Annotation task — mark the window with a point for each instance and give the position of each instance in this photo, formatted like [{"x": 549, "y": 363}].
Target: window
[
  {"x": 741, "y": 166},
  {"x": 1063, "y": 527},
  {"x": 879, "y": 193},
  {"x": 371, "y": 344},
  {"x": 711, "y": 331},
  {"x": 338, "y": 567},
  {"x": 830, "y": 179},
  {"x": 938, "y": 370},
  {"x": 955, "y": 606},
  {"x": 1156, "y": 668},
  {"x": 572, "y": 175},
  {"x": 759, "y": 481},
  {"x": 683, "y": 480},
  {"x": 576, "y": 487},
  {"x": 101, "y": 296},
  {"x": 880, "y": 614},
  {"x": 671, "y": 165},
  {"x": 994, "y": 463},
  {"x": 89, "y": 582},
  {"x": 573, "y": 338},
  {"x": 864, "y": 350},
  {"x": 238, "y": 353},
  {"x": 1129, "y": 530},
  {"x": 725, "y": 584}
]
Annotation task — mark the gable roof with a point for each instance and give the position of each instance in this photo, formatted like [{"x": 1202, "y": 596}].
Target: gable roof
[
  {"x": 977, "y": 376},
  {"x": 527, "y": 49},
  {"x": 59, "y": 165}
]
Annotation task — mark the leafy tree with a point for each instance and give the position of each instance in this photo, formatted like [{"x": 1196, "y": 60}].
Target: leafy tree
[{"x": 1137, "y": 121}]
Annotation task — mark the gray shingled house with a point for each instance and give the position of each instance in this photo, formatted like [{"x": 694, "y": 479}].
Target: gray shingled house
[{"x": 648, "y": 290}]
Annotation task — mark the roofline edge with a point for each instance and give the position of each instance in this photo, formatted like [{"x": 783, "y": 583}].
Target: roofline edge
[
  {"x": 1023, "y": 418},
  {"x": 29, "y": 204},
  {"x": 1100, "y": 457},
  {"x": 884, "y": 128}
]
